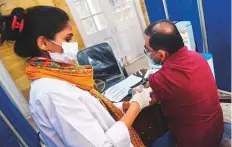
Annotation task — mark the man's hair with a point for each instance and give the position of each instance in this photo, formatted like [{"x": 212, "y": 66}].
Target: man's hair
[
  {"x": 148, "y": 31},
  {"x": 165, "y": 36}
]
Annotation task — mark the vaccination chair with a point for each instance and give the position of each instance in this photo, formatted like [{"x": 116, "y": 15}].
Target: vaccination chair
[
  {"x": 17, "y": 130},
  {"x": 107, "y": 71}
]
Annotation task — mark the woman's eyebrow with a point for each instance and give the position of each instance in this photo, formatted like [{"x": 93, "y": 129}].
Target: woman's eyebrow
[{"x": 70, "y": 34}]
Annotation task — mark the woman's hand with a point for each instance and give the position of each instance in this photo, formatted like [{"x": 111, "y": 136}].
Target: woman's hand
[
  {"x": 137, "y": 89},
  {"x": 143, "y": 98},
  {"x": 137, "y": 103},
  {"x": 140, "y": 88}
]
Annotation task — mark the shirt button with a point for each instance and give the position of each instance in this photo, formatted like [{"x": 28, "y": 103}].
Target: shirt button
[
  {"x": 150, "y": 127},
  {"x": 148, "y": 138},
  {"x": 142, "y": 133}
]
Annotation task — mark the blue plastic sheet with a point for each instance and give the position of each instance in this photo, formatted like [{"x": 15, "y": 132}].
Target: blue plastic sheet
[{"x": 18, "y": 121}]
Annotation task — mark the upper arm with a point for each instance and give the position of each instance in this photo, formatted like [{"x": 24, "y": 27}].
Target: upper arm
[
  {"x": 154, "y": 98},
  {"x": 155, "y": 82},
  {"x": 147, "y": 85}
]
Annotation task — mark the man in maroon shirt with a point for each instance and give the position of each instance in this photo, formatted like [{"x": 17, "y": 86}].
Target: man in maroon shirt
[{"x": 186, "y": 88}]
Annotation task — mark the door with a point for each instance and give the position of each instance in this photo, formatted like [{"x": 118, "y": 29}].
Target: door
[
  {"x": 127, "y": 30},
  {"x": 112, "y": 21}
]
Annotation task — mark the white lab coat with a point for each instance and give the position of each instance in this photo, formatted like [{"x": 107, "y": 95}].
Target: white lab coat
[{"x": 69, "y": 116}]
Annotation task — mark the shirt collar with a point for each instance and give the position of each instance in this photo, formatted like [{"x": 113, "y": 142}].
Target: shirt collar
[{"x": 175, "y": 55}]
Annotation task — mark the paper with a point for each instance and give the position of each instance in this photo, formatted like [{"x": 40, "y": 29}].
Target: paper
[
  {"x": 130, "y": 81},
  {"x": 149, "y": 72},
  {"x": 184, "y": 34},
  {"x": 117, "y": 92}
]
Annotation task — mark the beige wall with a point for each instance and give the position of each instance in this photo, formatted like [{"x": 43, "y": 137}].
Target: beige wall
[
  {"x": 16, "y": 65},
  {"x": 144, "y": 12}
]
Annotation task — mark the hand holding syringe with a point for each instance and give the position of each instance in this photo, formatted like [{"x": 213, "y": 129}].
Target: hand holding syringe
[{"x": 141, "y": 95}]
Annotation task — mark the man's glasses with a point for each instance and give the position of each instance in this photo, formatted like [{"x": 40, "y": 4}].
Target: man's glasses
[{"x": 146, "y": 51}]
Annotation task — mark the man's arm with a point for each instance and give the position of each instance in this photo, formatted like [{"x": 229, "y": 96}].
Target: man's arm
[
  {"x": 147, "y": 85},
  {"x": 153, "y": 95},
  {"x": 123, "y": 106}
]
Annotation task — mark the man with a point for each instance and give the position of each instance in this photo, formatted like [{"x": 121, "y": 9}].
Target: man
[{"x": 186, "y": 88}]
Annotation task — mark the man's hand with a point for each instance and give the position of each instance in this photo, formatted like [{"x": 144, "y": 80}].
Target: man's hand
[
  {"x": 153, "y": 99},
  {"x": 147, "y": 85}
]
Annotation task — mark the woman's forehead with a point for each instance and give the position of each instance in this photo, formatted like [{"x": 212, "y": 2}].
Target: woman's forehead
[{"x": 67, "y": 30}]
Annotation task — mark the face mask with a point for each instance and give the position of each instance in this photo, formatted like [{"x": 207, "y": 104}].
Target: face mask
[{"x": 70, "y": 50}]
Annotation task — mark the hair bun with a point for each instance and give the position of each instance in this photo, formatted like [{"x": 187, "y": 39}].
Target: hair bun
[
  {"x": 6, "y": 22},
  {"x": 18, "y": 11}
]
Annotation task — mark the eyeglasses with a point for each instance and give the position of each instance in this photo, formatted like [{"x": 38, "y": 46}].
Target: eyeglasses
[{"x": 147, "y": 51}]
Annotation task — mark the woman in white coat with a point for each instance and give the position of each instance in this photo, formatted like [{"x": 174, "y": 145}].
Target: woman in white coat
[{"x": 63, "y": 103}]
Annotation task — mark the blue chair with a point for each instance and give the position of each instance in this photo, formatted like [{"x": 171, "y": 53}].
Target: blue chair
[{"x": 17, "y": 130}]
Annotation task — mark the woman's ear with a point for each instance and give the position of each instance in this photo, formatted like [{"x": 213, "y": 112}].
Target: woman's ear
[{"x": 42, "y": 43}]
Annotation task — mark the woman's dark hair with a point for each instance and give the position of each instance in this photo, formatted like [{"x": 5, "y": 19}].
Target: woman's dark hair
[
  {"x": 38, "y": 21},
  {"x": 168, "y": 38}
]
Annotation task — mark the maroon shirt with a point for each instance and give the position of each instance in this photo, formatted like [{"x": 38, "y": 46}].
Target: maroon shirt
[{"x": 188, "y": 93}]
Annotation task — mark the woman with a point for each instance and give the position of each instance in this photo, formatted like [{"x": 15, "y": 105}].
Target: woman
[{"x": 63, "y": 103}]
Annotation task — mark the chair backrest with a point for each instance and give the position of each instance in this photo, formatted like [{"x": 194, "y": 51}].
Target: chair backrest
[{"x": 102, "y": 59}]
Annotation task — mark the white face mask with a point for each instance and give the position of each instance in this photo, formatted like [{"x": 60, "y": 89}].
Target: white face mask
[{"x": 69, "y": 54}]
